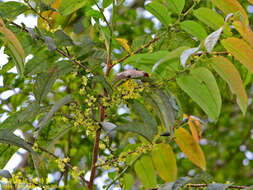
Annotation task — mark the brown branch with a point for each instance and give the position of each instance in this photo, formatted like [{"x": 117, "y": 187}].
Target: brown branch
[
  {"x": 61, "y": 52},
  {"x": 138, "y": 50}
]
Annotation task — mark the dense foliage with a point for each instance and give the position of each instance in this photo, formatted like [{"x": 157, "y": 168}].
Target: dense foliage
[{"x": 128, "y": 94}]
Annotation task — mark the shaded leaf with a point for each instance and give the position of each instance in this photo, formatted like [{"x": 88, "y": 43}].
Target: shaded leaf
[
  {"x": 200, "y": 94},
  {"x": 12, "y": 9},
  {"x": 145, "y": 171},
  {"x": 30, "y": 112},
  {"x": 166, "y": 111},
  {"x": 240, "y": 50},
  {"x": 186, "y": 54},
  {"x": 8, "y": 137},
  {"x": 217, "y": 186},
  {"x": 145, "y": 115},
  {"x": 62, "y": 38},
  {"x": 14, "y": 46},
  {"x": 190, "y": 148},
  {"x": 50, "y": 43},
  {"x": 43, "y": 85},
  {"x": 212, "y": 39},
  {"x": 101, "y": 79},
  {"x": 180, "y": 183},
  {"x": 209, "y": 17},
  {"x": 164, "y": 161},
  {"x": 139, "y": 128},
  {"x": 201, "y": 177},
  {"x": 5, "y": 173},
  {"x": 175, "y": 6},
  {"x": 245, "y": 31},
  {"x": 231, "y": 6},
  {"x": 6, "y": 152},
  {"x": 194, "y": 28},
  {"x": 206, "y": 76},
  {"x": 229, "y": 73},
  {"x": 160, "y": 12},
  {"x": 46, "y": 118}
]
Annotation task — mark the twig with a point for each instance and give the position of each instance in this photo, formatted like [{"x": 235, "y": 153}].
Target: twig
[
  {"x": 123, "y": 171},
  {"x": 37, "y": 13},
  {"x": 139, "y": 50},
  {"x": 61, "y": 52},
  {"x": 56, "y": 157}
]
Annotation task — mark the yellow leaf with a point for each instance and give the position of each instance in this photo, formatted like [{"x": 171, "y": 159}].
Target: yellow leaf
[
  {"x": 229, "y": 73},
  {"x": 190, "y": 147},
  {"x": 165, "y": 162},
  {"x": 14, "y": 46},
  {"x": 250, "y": 1},
  {"x": 231, "y": 6},
  {"x": 245, "y": 31},
  {"x": 240, "y": 50},
  {"x": 124, "y": 43},
  {"x": 50, "y": 15},
  {"x": 194, "y": 124}
]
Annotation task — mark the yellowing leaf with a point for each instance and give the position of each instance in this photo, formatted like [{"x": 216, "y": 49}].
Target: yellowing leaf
[
  {"x": 165, "y": 162},
  {"x": 230, "y": 74},
  {"x": 14, "y": 46},
  {"x": 240, "y": 50},
  {"x": 195, "y": 128},
  {"x": 145, "y": 171},
  {"x": 231, "y": 6},
  {"x": 50, "y": 15},
  {"x": 245, "y": 31},
  {"x": 124, "y": 43},
  {"x": 250, "y": 1},
  {"x": 190, "y": 147}
]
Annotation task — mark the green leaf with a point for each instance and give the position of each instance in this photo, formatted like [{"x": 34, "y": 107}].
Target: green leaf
[
  {"x": 101, "y": 79},
  {"x": 190, "y": 147},
  {"x": 30, "y": 112},
  {"x": 11, "y": 123},
  {"x": 145, "y": 171},
  {"x": 128, "y": 181},
  {"x": 200, "y": 94},
  {"x": 160, "y": 12},
  {"x": 6, "y": 152},
  {"x": 206, "y": 76},
  {"x": 12, "y": 9},
  {"x": 8, "y": 137},
  {"x": 164, "y": 161},
  {"x": 46, "y": 118},
  {"x": 166, "y": 111},
  {"x": 217, "y": 186},
  {"x": 194, "y": 28},
  {"x": 69, "y": 6},
  {"x": 139, "y": 128},
  {"x": 231, "y": 6},
  {"x": 50, "y": 43},
  {"x": 229, "y": 73},
  {"x": 209, "y": 17},
  {"x": 240, "y": 50},
  {"x": 43, "y": 85},
  {"x": 106, "y": 3},
  {"x": 14, "y": 47},
  {"x": 145, "y": 61},
  {"x": 62, "y": 38},
  {"x": 146, "y": 116},
  {"x": 176, "y": 6}
]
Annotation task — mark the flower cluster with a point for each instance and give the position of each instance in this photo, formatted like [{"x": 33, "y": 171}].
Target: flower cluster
[{"x": 61, "y": 163}]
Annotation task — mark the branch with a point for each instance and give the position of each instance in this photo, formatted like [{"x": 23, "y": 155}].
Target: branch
[
  {"x": 139, "y": 50},
  {"x": 61, "y": 52},
  {"x": 56, "y": 157}
]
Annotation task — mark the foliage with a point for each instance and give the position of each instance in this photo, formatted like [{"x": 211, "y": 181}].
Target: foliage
[{"x": 143, "y": 100}]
